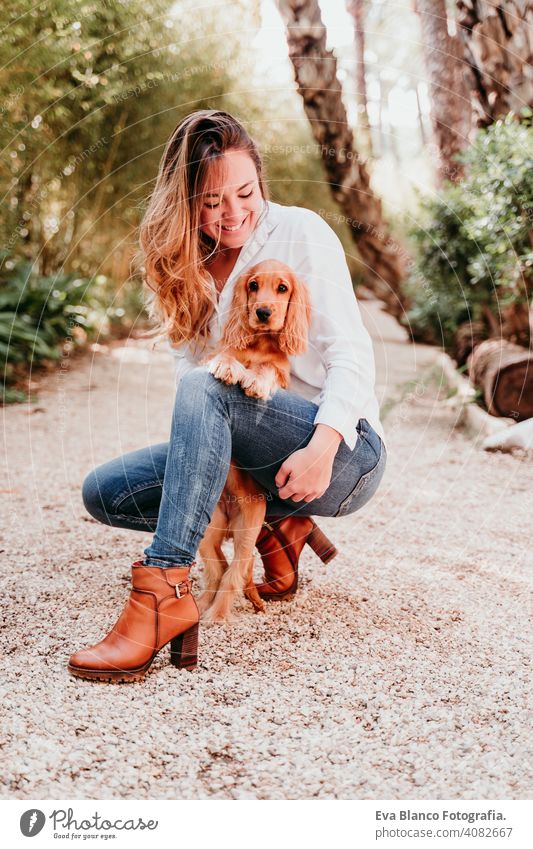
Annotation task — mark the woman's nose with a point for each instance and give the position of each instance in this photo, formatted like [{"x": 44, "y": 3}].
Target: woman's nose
[{"x": 232, "y": 209}]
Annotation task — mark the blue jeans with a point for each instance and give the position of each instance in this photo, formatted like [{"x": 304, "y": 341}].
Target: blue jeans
[{"x": 172, "y": 488}]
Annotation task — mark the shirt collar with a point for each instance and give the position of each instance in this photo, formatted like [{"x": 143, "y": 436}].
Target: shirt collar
[{"x": 268, "y": 219}]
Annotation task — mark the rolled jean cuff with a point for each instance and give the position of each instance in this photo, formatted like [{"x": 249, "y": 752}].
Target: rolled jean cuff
[{"x": 167, "y": 562}]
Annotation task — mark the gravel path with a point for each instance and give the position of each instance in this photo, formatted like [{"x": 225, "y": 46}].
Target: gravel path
[{"x": 401, "y": 670}]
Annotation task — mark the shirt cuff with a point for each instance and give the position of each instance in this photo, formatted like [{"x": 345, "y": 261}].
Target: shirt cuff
[{"x": 330, "y": 414}]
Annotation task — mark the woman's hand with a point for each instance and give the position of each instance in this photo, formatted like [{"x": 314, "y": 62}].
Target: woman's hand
[
  {"x": 303, "y": 477},
  {"x": 306, "y": 474}
]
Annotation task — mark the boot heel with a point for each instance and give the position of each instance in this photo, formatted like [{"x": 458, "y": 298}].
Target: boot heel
[
  {"x": 184, "y": 648},
  {"x": 321, "y": 545}
]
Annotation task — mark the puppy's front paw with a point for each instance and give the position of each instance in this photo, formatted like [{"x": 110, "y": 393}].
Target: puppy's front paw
[
  {"x": 256, "y": 386},
  {"x": 226, "y": 369},
  {"x": 203, "y": 601},
  {"x": 254, "y": 597},
  {"x": 215, "y": 616}
]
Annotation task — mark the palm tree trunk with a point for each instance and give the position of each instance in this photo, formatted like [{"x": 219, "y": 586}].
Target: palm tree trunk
[
  {"x": 421, "y": 124},
  {"x": 357, "y": 10},
  {"x": 498, "y": 42},
  {"x": 315, "y": 71},
  {"x": 498, "y": 46},
  {"x": 451, "y": 111}
]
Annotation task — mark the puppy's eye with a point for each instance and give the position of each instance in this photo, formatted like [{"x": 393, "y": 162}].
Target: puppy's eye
[
  {"x": 283, "y": 288},
  {"x": 253, "y": 285}
]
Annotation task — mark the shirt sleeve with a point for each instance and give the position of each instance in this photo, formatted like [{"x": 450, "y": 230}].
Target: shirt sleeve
[
  {"x": 182, "y": 362},
  {"x": 337, "y": 331}
]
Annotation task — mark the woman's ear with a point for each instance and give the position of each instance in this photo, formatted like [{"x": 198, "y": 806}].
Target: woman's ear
[
  {"x": 237, "y": 331},
  {"x": 293, "y": 337}
]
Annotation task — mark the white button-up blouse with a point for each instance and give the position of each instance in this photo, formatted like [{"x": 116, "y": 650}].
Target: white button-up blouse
[{"x": 338, "y": 370}]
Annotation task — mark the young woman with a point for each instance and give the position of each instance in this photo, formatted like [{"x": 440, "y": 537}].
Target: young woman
[{"x": 317, "y": 447}]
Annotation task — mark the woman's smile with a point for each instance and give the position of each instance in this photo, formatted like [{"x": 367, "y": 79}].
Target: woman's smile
[{"x": 233, "y": 228}]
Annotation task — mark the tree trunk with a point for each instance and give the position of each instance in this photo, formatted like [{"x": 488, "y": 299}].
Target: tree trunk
[
  {"x": 357, "y": 10},
  {"x": 315, "y": 71},
  {"x": 421, "y": 124},
  {"x": 498, "y": 45},
  {"x": 382, "y": 147},
  {"x": 512, "y": 323},
  {"x": 451, "y": 112},
  {"x": 504, "y": 372},
  {"x": 515, "y": 323},
  {"x": 466, "y": 337}
]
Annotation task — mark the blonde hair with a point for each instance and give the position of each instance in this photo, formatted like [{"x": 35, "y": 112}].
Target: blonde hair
[{"x": 173, "y": 248}]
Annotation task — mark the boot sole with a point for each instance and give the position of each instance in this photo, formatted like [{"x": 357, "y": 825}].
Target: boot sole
[
  {"x": 183, "y": 655},
  {"x": 288, "y": 594},
  {"x": 110, "y": 676},
  {"x": 122, "y": 675}
]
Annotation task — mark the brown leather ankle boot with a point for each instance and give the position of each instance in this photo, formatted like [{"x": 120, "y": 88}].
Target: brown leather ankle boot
[
  {"x": 160, "y": 609},
  {"x": 280, "y": 543}
]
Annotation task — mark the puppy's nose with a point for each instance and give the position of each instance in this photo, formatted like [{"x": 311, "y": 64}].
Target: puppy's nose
[{"x": 263, "y": 313}]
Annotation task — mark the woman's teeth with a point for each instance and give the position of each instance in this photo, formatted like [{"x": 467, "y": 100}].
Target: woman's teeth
[{"x": 233, "y": 229}]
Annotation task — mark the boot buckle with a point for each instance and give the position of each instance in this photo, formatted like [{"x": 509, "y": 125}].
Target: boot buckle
[{"x": 185, "y": 586}]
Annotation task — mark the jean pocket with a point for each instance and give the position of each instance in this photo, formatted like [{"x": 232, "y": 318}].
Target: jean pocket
[{"x": 365, "y": 487}]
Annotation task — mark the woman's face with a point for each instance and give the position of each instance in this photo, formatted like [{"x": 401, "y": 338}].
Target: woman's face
[{"x": 237, "y": 203}]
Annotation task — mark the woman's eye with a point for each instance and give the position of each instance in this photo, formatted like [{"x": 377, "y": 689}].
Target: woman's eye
[{"x": 214, "y": 205}]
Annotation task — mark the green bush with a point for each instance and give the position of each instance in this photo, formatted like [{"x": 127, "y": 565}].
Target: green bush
[
  {"x": 38, "y": 314},
  {"x": 473, "y": 247}
]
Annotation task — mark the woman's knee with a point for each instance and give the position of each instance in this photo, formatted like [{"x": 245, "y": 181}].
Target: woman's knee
[
  {"x": 200, "y": 381},
  {"x": 93, "y": 495},
  {"x": 198, "y": 377},
  {"x": 365, "y": 488}
]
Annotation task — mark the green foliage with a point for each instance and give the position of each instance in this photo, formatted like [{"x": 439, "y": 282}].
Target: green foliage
[
  {"x": 35, "y": 314},
  {"x": 38, "y": 314},
  {"x": 474, "y": 246},
  {"x": 92, "y": 91}
]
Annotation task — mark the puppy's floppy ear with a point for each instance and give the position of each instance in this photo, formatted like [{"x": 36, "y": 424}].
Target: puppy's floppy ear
[
  {"x": 237, "y": 330},
  {"x": 293, "y": 337}
]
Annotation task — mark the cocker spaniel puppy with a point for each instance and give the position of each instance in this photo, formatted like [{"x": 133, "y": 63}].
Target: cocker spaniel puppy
[{"x": 269, "y": 320}]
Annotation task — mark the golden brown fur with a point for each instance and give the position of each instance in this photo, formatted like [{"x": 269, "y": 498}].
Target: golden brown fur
[{"x": 253, "y": 353}]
